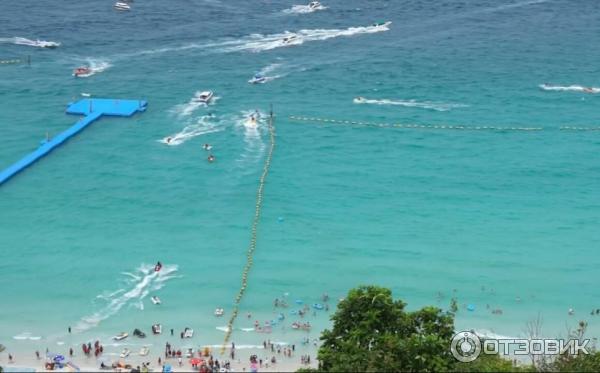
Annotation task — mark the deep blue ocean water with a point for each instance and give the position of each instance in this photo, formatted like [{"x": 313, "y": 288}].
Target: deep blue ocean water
[{"x": 505, "y": 219}]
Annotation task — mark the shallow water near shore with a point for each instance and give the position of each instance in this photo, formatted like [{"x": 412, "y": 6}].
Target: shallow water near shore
[{"x": 505, "y": 219}]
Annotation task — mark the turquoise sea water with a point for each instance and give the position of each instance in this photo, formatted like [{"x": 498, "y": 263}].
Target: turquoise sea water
[{"x": 485, "y": 216}]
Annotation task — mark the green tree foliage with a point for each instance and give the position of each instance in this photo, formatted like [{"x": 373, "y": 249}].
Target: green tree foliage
[
  {"x": 579, "y": 363},
  {"x": 372, "y": 332}
]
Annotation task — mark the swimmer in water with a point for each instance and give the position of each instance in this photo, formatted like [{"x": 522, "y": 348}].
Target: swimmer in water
[
  {"x": 207, "y": 147},
  {"x": 211, "y": 158}
]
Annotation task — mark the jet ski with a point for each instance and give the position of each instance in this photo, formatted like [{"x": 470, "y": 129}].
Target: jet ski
[
  {"x": 359, "y": 100},
  {"x": 139, "y": 333},
  {"x": 156, "y": 329},
  {"x": 155, "y": 299},
  {"x": 219, "y": 312},
  {"x": 120, "y": 336},
  {"x": 82, "y": 72},
  {"x": 204, "y": 97},
  {"x": 157, "y": 267},
  {"x": 144, "y": 351},
  {"x": 257, "y": 79}
]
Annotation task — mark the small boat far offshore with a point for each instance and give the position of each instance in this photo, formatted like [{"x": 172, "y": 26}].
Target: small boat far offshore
[
  {"x": 122, "y": 6},
  {"x": 257, "y": 79}
]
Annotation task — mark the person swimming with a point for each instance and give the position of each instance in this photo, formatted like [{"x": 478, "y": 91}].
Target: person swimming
[
  {"x": 207, "y": 147},
  {"x": 211, "y": 158}
]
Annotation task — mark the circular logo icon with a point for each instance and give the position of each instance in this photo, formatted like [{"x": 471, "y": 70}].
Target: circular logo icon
[{"x": 465, "y": 346}]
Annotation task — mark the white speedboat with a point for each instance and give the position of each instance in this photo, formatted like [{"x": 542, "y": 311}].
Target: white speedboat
[
  {"x": 119, "y": 5},
  {"x": 46, "y": 44},
  {"x": 155, "y": 299},
  {"x": 204, "y": 97},
  {"x": 188, "y": 333},
  {"x": 289, "y": 39},
  {"x": 125, "y": 353},
  {"x": 360, "y": 100},
  {"x": 381, "y": 24},
  {"x": 144, "y": 351},
  {"x": 120, "y": 336},
  {"x": 257, "y": 79},
  {"x": 156, "y": 329},
  {"x": 314, "y": 5},
  {"x": 219, "y": 312}
]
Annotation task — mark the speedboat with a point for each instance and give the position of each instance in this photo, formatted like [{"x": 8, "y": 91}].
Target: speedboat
[
  {"x": 219, "y": 312},
  {"x": 125, "y": 353},
  {"x": 82, "y": 72},
  {"x": 381, "y": 24},
  {"x": 120, "y": 336},
  {"x": 139, "y": 333},
  {"x": 359, "y": 100},
  {"x": 155, "y": 299},
  {"x": 204, "y": 97},
  {"x": 290, "y": 39},
  {"x": 314, "y": 5},
  {"x": 188, "y": 333},
  {"x": 144, "y": 351},
  {"x": 257, "y": 79},
  {"x": 46, "y": 44},
  {"x": 119, "y": 5},
  {"x": 156, "y": 329}
]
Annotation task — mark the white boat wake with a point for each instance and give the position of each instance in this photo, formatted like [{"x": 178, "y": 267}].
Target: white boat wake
[
  {"x": 31, "y": 43},
  {"x": 258, "y": 42},
  {"x": 140, "y": 283},
  {"x": 437, "y": 106},
  {"x": 202, "y": 127},
  {"x": 303, "y": 9},
  {"x": 265, "y": 72},
  {"x": 572, "y": 88},
  {"x": 255, "y": 146}
]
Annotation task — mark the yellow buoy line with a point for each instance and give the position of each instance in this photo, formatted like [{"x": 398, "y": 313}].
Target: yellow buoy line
[
  {"x": 252, "y": 248},
  {"x": 436, "y": 127}
]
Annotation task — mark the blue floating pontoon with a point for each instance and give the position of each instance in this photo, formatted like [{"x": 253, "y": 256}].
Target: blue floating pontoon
[{"x": 92, "y": 108}]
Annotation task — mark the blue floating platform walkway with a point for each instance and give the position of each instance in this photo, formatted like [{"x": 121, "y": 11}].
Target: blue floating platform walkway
[{"x": 92, "y": 108}]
